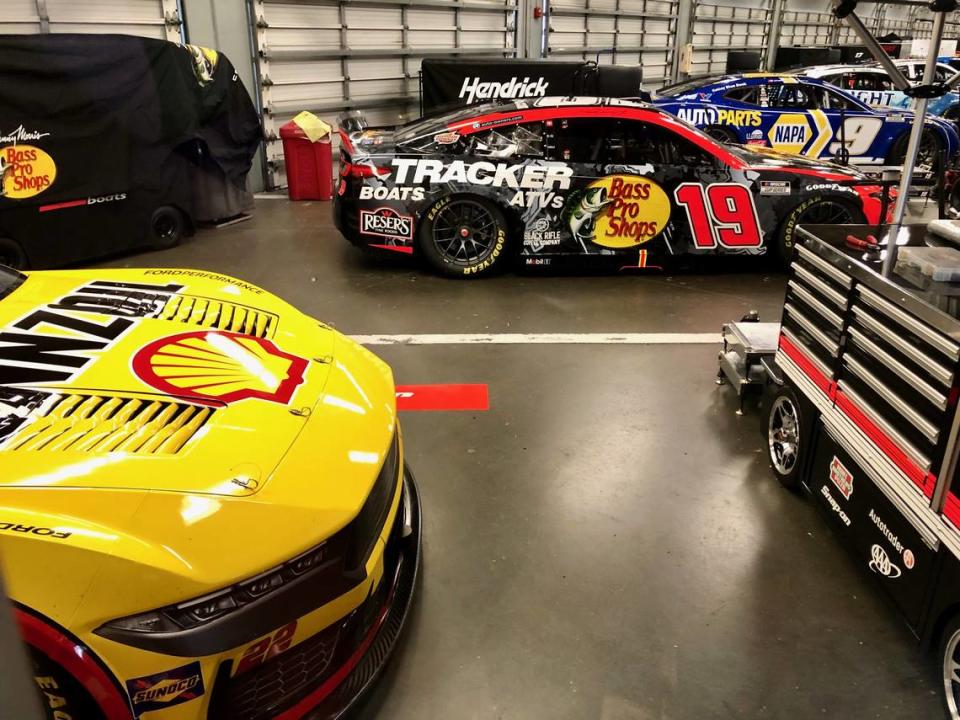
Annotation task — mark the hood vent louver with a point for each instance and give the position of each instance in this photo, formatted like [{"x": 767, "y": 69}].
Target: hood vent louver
[
  {"x": 218, "y": 314},
  {"x": 89, "y": 423}
]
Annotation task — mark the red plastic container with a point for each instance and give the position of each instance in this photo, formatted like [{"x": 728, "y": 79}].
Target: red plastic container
[{"x": 309, "y": 165}]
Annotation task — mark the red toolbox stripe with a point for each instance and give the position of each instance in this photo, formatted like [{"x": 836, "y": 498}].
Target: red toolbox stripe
[{"x": 442, "y": 397}]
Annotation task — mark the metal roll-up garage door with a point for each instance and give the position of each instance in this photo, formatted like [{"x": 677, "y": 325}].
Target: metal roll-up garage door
[
  {"x": 327, "y": 56},
  {"x": 149, "y": 18},
  {"x": 718, "y": 28},
  {"x": 626, "y": 32}
]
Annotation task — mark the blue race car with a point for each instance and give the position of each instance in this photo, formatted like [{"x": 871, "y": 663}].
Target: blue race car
[{"x": 801, "y": 115}]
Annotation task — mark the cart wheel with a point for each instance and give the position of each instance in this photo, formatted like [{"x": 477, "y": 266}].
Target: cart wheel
[
  {"x": 12, "y": 255},
  {"x": 785, "y": 436},
  {"x": 950, "y": 668},
  {"x": 166, "y": 227}
]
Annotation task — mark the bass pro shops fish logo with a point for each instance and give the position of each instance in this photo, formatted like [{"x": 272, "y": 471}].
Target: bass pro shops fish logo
[
  {"x": 25, "y": 170},
  {"x": 213, "y": 367},
  {"x": 619, "y": 211}
]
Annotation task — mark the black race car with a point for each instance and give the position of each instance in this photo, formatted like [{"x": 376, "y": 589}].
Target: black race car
[{"x": 560, "y": 179}]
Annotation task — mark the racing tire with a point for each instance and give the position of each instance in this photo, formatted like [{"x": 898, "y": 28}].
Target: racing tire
[
  {"x": 785, "y": 434},
  {"x": 721, "y": 134},
  {"x": 464, "y": 236},
  {"x": 167, "y": 227},
  {"x": 929, "y": 152},
  {"x": 61, "y": 695},
  {"x": 813, "y": 211},
  {"x": 948, "y": 659},
  {"x": 12, "y": 255}
]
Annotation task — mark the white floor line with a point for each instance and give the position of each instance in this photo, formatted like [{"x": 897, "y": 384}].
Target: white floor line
[{"x": 543, "y": 339}]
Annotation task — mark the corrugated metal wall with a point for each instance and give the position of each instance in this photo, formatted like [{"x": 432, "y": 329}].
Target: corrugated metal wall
[{"x": 150, "y": 18}]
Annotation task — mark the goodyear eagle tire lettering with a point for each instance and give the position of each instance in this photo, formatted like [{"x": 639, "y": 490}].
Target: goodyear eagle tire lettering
[
  {"x": 464, "y": 236},
  {"x": 61, "y": 696}
]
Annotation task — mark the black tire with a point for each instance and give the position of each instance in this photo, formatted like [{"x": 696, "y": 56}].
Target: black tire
[
  {"x": 812, "y": 211},
  {"x": 928, "y": 154},
  {"x": 948, "y": 659},
  {"x": 722, "y": 134},
  {"x": 12, "y": 255},
  {"x": 61, "y": 695},
  {"x": 167, "y": 227},
  {"x": 464, "y": 236},
  {"x": 786, "y": 433}
]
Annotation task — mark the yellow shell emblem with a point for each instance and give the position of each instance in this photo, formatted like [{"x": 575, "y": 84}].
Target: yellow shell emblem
[{"x": 218, "y": 366}]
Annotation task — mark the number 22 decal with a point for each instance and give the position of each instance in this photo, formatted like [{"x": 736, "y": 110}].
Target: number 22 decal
[
  {"x": 267, "y": 648},
  {"x": 720, "y": 214}
]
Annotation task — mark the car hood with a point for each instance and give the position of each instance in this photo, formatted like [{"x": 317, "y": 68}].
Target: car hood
[
  {"x": 763, "y": 158},
  {"x": 173, "y": 381}
]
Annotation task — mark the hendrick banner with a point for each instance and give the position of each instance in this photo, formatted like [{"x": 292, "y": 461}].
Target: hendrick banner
[{"x": 451, "y": 83}]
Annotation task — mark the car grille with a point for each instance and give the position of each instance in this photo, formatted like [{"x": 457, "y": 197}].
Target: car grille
[
  {"x": 282, "y": 681},
  {"x": 90, "y": 423},
  {"x": 221, "y": 315}
]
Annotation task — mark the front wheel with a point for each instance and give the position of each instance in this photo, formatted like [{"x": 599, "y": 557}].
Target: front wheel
[
  {"x": 167, "y": 227},
  {"x": 950, "y": 668},
  {"x": 61, "y": 695},
  {"x": 464, "y": 236},
  {"x": 814, "y": 211},
  {"x": 785, "y": 436},
  {"x": 12, "y": 255}
]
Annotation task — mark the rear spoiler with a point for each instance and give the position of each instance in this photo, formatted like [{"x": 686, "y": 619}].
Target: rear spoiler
[{"x": 352, "y": 121}]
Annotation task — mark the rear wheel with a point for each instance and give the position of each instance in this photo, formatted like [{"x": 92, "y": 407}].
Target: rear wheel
[
  {"x": 814, "y": 211},
  {"x": 11, "y": 254},
  {"x": 464, "y": 236},
  {"x": 928, "y": 156},
  {"x": 721, "y": 134},
  {"x": 61, "y": 695},
  {"x": 785, "y": 436},
  {"x": 167, "y": 227},
  {"x": 950, "y": 668}
]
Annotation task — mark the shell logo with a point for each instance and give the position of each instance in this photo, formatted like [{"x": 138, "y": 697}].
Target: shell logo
[
  {"x": 790, "y": 133},
  {"x": 216, "y": 366},
  {"x": 25, "y": 171},
  {"x": 620, "y": 211}
]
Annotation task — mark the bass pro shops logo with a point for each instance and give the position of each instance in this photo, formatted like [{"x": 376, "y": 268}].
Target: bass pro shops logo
[
  {"x": 619, "y": 211},
  {"x": 25, "y": 171},
  {"x": 163, "y": 690},
  {"x": 386, "y": 222},
  {"x": 513, "y": 89},
  {"x": 212, "y": 367}
]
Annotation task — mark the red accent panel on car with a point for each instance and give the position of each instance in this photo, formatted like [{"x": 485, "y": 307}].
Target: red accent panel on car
[{"x": 442, "y": 397}]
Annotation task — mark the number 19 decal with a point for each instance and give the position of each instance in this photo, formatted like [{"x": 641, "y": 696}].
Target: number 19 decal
[{"x": 721, "y": 214}]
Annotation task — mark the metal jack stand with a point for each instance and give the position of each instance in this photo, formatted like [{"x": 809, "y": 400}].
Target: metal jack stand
[
  {"x": 745, "y": 345},
  {"x": 845, "y": 9}
]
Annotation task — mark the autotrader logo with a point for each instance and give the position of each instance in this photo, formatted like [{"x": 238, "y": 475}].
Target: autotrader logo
[{"x": 880, "y": 563}]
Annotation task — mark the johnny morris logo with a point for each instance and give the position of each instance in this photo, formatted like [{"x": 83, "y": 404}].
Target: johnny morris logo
[{"x": 512, "y": 89}]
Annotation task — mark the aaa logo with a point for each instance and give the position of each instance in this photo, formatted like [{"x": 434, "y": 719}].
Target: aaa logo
[{"x": 218, "y": 366}]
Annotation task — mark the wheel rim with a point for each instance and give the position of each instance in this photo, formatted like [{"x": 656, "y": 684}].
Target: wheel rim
[
  {"x": 719, "y": 134},
  {"x": 826, "y": 212},
  {"x": 465, "y": 232},
  {"x": 783, "y": 435},
  {"x": 927, "y": 152},
  {"x": 951, "y": 676},
  {"x": 165, "y": 227}
]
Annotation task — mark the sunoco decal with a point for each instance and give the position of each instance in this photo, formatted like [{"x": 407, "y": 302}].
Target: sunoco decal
[
  {"x": 25, "y": 171},
  {"x": 619, "y": 211},
  {"x": 165, "y": 689},
  {"x": 55, "y": 342},
  {"x": 216, "y": 366}
]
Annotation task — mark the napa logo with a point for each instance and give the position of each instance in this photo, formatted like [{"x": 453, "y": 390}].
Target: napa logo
[
  {"x": 790, "y": 133},
  {"x": 214, "y": 367}
]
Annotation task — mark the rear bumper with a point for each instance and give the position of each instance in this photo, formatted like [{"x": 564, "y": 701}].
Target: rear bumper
[{"x": 343, "y": 660}]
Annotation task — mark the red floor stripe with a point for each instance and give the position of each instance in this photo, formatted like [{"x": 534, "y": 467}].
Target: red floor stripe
[
  {"x": 62, "y": 205},
  {"x": 442, "y": 397}
]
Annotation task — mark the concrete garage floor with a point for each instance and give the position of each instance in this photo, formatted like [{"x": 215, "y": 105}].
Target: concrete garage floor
[{"x": 606, "y": 541}]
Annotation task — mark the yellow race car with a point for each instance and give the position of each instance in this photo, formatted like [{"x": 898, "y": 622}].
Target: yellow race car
[{"x": 204, "y": 509}]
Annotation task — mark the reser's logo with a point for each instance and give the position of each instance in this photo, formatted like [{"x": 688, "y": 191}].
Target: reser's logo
[
  {"x": 512, "y": 89},
  {"x": 386, "y": 222},
  {"x": 216, "y": 366}
]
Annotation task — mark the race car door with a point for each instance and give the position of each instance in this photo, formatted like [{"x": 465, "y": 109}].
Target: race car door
[{"x": 645, "y": 192}]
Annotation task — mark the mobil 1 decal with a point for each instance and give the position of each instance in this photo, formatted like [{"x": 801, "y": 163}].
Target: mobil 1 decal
[
  {"x": 618, "y": 211},
  {"x": 56, "y": 341}
]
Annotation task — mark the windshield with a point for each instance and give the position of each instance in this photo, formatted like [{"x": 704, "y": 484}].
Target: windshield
[
  {"x": 437, "y": 122},
  {"x": 10, "y": 280},
  {"x": 686, "y": 86}
]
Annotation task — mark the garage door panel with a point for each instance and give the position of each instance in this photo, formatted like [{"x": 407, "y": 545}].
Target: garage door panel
[
  {"x": 331, "y": 55},
  {"x": 146, "y": 18}
]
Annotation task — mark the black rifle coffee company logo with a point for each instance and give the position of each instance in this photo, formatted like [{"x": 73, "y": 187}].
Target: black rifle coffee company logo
[
  {"x": 513, "y": 89},
  {"x": 386, "y": 222}
]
